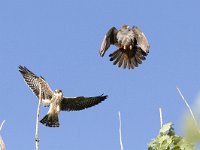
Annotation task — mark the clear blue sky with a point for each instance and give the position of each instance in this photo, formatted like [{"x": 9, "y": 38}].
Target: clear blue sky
[{"x": 60, "y": 40}]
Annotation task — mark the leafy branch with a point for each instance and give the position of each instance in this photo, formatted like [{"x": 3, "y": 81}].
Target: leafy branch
[{"x": 168, "y": 140}]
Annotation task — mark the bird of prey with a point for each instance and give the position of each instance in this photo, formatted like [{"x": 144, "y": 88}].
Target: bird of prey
[
  {"x": 55, "y": 100},
  {"x": 132, "y": 45}
]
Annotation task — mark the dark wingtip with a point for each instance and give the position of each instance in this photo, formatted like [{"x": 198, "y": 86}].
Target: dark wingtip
[
  {"x": 101, "y": 53},
  {"x": 22, "y": 69},
  {"x": 111, "y": 59},
  {"x": 104, "y": 96},
  {"x": 20, "y": 66}
]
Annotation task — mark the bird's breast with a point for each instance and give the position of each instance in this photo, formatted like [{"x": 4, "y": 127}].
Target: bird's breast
[
  {"x": 125, "y": 40},
  {"x": 55, "y": 103}
]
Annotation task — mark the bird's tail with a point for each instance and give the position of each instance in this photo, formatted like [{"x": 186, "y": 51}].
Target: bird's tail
[
  {"x": 51, "y": 120},
  {"x": 128, "y": 58}
]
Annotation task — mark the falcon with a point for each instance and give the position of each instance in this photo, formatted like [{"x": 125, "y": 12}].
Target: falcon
[
  {"x": 55, "y": 99},
  {"x": 132, "y": 45}
]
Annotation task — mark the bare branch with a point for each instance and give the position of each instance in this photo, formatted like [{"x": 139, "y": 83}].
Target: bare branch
[
  {"x": 120, "y": 131},
  {"x": 196, "y": 124},
  {"x": 161, "y": 119},
  {"x": 37, "y": 121},
  {"x": 2, "y": 124},
  {"x": 2, "y": 145}
]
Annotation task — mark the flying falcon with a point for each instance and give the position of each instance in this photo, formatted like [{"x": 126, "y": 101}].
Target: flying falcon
[
  {"x": 55, "y": 100},
  {"x": 132, "y": 45}
]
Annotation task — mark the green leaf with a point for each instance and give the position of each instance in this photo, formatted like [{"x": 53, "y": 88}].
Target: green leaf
[
  {"x": 168, "y": 140},
  {"x": 163, "y": 138},
  {"x": 165, "y": 128}
]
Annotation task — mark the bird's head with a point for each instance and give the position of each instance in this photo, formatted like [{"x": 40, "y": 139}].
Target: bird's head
[
  {"x": 125, "y": 26},
  {"x": 58, "y": 91}
]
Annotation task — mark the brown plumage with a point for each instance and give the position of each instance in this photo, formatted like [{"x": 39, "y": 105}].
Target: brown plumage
[{"x": 132, "y": 43}]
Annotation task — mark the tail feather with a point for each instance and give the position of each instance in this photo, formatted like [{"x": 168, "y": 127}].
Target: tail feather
[
  {"x": 128, "y": 58},
  {"x": 121, "y": 61},
  {"x": 130, "y": 66},
  {"x": 134, "y": 62},
  {"x": 114, "y": 55},
  {"x": 118, "y": 57},
  {"x": 138, "y": 59},
  {"x": 126, "y": 62},
  {"x": 51, "y": 120},
  {"x": 140, "y": 55}
]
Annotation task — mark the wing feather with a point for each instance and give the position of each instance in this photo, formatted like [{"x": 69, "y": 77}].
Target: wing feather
[
  {"x": 141, "y": 39},
  {"x": 79, "y": 103},
  {"x": 34, "y": 82},
  {"x": 109, "y": 38}
]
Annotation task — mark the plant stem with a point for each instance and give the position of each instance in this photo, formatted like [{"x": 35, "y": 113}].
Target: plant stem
[
  {"x": 2, "y": 144},
  {"x": 196, "y": 124},
  {"x": 120, "y": 131},
  {"x": 37, "y": 121},
  {"x": 161, "y": 119}
]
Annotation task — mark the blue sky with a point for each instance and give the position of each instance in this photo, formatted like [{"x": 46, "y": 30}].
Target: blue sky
[{"x": 60, "y": 40}]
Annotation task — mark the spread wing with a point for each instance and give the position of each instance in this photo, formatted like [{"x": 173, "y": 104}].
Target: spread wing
[
  {"x": 141, "y": 39},
  {"x": 34, "y": 82},
  {"x": 109, "y": 38},
  {"x": 79, "y": 103}
]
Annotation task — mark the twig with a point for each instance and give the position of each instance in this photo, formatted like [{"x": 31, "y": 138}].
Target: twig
[
  {"x": 196, "y": 124},
  {"x": 120, "y": 131},
  {"x": 37, "y": 121},
  {"x": 2, "y": 124},
  {"x": 161, "y": 119},
  {"x": 2, "y": 145}
]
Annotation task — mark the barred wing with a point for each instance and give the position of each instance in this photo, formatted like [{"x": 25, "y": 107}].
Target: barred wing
[
  {"x": 109, "y": 38},
  {"x": 141, "y": 39},
  {"x": 34, "y": 82},
  {"x": 79, "y": 103}
]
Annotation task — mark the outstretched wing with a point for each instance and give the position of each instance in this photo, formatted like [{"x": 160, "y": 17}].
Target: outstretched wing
[
  {"x": 79, "y": 103},
  {"x": 141, "y": 39},
  {"x": 34, "y": 82},
  {"x": 109, "y": 38}
]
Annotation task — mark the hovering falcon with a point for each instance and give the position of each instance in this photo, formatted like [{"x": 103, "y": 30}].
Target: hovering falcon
[
  {"x": 132, "y": 45},
  {"x": 55, "y": 100}
]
